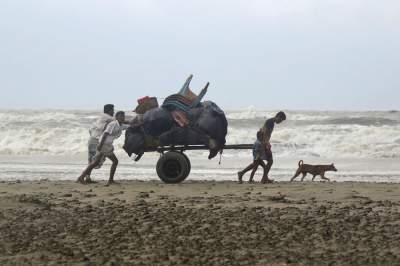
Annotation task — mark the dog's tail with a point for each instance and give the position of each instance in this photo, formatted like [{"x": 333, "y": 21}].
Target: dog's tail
[{"x": 301, "y": 163}]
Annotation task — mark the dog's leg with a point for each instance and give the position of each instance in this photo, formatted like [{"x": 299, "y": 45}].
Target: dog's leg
[
  {"x": 325, "y": 178},
  {"x": 295, "y": 175},
  {"x": 304, "y": 175},
  {"x": 313, "y": 177}
]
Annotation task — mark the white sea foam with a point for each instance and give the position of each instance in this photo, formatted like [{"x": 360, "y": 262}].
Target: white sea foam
[
  {"x": 251, "y": 113},
  {"x": 305, "y": 134}
]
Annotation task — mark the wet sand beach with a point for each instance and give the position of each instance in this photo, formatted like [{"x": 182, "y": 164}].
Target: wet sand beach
[{"x": 199, "y": 223}]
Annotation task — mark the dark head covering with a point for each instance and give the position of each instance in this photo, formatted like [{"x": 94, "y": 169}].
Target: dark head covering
[
  {"x": 108, "y": 108},
  {"x": 281, "y": 115}
]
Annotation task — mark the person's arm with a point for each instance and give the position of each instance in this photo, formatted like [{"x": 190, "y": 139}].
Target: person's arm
[
  {"x": 267, "y": 135},
  {"x": 257, "y": 149},
  {"x": 103, "y": 139},
  {"x": 269, "y": 125},
  {"x": 267, "y": 140},
  {"x": 127, "y": 120},
  {"x": 125, "y": 126}
]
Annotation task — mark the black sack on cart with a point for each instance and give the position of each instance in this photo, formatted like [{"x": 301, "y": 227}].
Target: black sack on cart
[
  {"x": 134, "y": 141},
  {"x": 207, "y": 122},
  {"x": 183, "y": 136},
  {"x": 157, "y": 121},
  {"x": 213, "y": 122}
]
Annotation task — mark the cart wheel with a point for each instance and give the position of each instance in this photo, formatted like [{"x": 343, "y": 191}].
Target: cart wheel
[
  {"x": 173, "y": 167},
  {"x": 188, "y": 162}
]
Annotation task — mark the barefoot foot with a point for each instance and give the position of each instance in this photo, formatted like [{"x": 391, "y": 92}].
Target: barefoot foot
[
  {"x": 240, "y": 177},
  {"x": 111, "y": 182},
  {"x": 88, "y": 180},
  {"x": 80, "y": 180},
  {"x": 266, "y": 180}
]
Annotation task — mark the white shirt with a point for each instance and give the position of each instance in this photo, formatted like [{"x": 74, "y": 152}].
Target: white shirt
[
  {"x": 100, "y": 125},
  {"x": 114, "y": 129}
]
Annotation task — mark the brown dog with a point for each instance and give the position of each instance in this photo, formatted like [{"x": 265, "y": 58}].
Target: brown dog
[{"x": 314, "y": 170}]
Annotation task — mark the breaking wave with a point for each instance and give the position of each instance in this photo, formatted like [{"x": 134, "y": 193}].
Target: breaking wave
[{"x": 306, "y": 133}]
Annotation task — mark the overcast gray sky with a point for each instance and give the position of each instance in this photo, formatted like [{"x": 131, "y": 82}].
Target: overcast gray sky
[{"x": 282, "y": 54}]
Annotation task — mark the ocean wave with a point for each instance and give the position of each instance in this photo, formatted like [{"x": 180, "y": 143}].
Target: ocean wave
[
  {"x": 329, "y": 141},
  {"x": 251, "y": 113},
  {"x": 305, "y": 134}
]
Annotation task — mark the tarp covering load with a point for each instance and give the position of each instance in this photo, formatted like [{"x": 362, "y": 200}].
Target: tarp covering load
[{"x": 183, "y": 119}]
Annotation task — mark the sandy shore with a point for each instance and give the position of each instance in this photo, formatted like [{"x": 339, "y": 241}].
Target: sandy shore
[{"x": 199, "y": 223}]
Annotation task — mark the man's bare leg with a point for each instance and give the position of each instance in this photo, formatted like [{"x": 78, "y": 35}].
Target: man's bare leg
[
  {"x": 241, "y": 173},
  {"x": 263, "y": 181},
  {"x": 256, "y": 165},
  {"x": 91, "y": 158},
  {"x": 88, "y": 180},
  {"x": 114, "y": 165},
  {"x": 88, "y": 170},
  {"x": 267, "y": 168},
  {"x": 240, "y": 177}
]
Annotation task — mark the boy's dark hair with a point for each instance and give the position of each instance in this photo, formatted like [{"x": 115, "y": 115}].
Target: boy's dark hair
[
  {"x": 119, "y": 113},
  {"x": 281, "y": 115},
  {"x": 108, "y": 108},
  {"x": 259, "y": 135}
]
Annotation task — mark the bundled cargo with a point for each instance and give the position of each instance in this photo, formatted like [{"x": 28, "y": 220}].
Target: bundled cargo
[
  {"x": 145, "y": 104},
  {"x": 183, "y": 119}
]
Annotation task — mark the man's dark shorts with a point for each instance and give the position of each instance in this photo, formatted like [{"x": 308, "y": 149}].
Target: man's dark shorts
[{"x": 268, "y": 155}]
